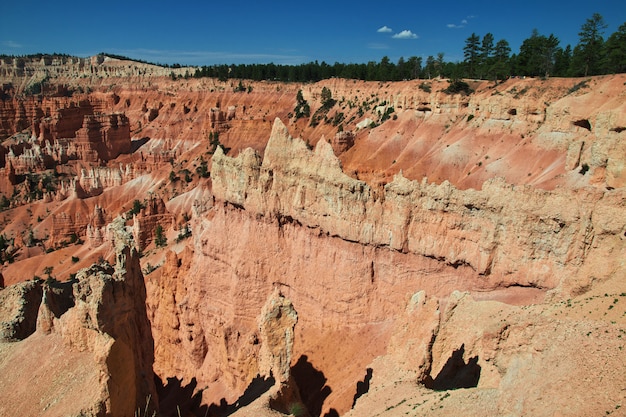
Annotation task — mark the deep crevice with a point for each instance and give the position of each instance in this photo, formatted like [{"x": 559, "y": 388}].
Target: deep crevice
[
  {"x": 527, "y": 285},
  {"x": 60, "y": 297},
  {"x": 584, "y": 123},
  {"x": 471, "y": 207}
]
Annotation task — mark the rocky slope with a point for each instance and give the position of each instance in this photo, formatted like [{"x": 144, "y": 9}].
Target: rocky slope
[
  {"x": 88, "y": 350},
  {"x": 402, "y": 250}
]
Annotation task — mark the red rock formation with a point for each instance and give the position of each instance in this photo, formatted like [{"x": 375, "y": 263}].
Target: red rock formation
[
  {"x": 146, "y": 222},
  {"x": 342, "y": 142},
  {"x": 30, "y": 158},
  {"x": 64, "y": 123},
  {"x": 69, "y": 228},
  {"x": 477, "y": 229},
  {"x": 103, "y": 137}
]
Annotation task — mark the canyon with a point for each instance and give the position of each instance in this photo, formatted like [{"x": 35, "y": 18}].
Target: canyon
[{"x": 182, "y": 246}]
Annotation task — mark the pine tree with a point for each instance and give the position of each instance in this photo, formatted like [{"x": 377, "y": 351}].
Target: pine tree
[
  {"x": 430, "y": 66},
  {"x": 439, "y": 63},
  {"x": 588, "y": 54},
  {"x": 562, "y": 61},
  {"x": 471, "y": 53},
  {"x": 616, "y": 51},
  {"x": 415, "y": 65},
  {"x": 537, "y": 54},
  {"x": 500, "y": 68},
  {"x": 486, "y": 53}
]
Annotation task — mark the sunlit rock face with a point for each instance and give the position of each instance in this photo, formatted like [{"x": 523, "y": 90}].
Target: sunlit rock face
[{"x": 443, "y": 252}]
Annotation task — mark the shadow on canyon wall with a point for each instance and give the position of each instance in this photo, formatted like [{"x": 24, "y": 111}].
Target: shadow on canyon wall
[
  {"x": 176, "y": 399},
  {"x": 312, "y": 386},
  {"x": 362, "y": 387},
  {"x": 456, "y": 373}
]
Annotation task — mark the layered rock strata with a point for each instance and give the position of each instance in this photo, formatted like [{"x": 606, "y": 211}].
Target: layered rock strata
[
  {"x": 293, "y": 220},
  {"x": 478, "y": 229}
]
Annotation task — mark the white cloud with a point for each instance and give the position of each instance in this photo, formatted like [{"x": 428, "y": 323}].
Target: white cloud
[
  {"x": 384, "y": 29},
  {"x": 405, "y": 34},
  {"x": 11, "y": 44},
  {"x": 463, "y": 23}
]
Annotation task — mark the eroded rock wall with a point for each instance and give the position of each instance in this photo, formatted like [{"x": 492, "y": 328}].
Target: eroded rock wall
[
  {"x": 529, "y": 236},
  {"x": 351, "y": 257}
]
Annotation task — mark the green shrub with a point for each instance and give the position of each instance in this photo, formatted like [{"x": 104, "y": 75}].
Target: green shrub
[
  {"x": 159, "y": 236},
  {"x": 583, "y": 169},
  {"x": 184, "y": 233},
  {"x": 425, "y": 87},
  {"x": 458, "y": 87},
  {"x": 302, "y": 108},
  {"x": 578, "y": 86},
  {"x": 387, "y": 114},
  {"x": 137, "y": 206}
]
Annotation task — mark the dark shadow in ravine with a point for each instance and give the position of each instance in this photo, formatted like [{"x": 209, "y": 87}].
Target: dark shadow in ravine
[
  {"x": 138, "y": 143},
  {"x": 362, "y": 387},
  {"x": 255, "y": 389},
  {"x": 331, "y": 413},
  {"x": 456, "y": 373},
  {"x": 311, "y": 385},
  {"x": 176, "y": 399}
]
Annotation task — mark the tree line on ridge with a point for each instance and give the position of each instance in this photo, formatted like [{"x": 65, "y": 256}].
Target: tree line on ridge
[{"x": 484, "y": 58}]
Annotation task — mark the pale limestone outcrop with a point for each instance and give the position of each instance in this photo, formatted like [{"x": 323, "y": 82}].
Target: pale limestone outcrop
[
  {"x": 109, "y": 319},
  {"x": 97, "y": 66},
  {"x": 276, "y": 326},
  {"x": 18, "y": 310},
  {"x": 277, "y": 323},
  {"x": 516, "y": 235},
  {"x": 416, "y": 331}
]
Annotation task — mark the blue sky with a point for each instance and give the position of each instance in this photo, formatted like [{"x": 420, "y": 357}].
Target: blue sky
[{"x": 286, "y": 32}]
